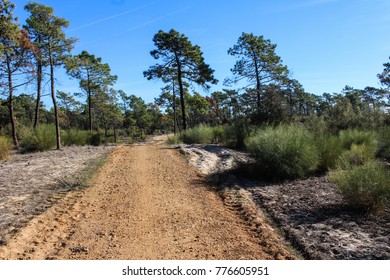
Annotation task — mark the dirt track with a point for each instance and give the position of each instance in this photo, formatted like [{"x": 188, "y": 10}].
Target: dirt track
[{"x": 145, "y": 203}]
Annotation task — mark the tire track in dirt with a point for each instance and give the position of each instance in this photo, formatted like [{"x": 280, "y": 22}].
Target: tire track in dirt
[{"x": 145, "y": 203}]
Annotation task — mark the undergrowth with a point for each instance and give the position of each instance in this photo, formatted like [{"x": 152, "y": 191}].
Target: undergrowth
[{"x": 5, "y": 148}]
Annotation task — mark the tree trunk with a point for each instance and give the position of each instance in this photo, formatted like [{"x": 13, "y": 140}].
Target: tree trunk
[
  {"x": 39, "y": 89},
  {"x": 53, "y": 96},
  {"x": 90, "y": 103},
  {"x": 11, "y": 104},
  {"x": 174, "y": 107},
  {"x": 183, "y": 110},
  {"x": 258, "y": 85}
]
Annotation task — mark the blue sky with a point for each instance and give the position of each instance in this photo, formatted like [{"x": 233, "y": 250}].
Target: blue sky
[{"x": 326, "y": 44}]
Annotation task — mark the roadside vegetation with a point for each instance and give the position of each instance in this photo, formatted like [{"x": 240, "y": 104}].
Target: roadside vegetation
[
  {"x": 290, "y": 132},
  {"x": 355, "y": 159}
]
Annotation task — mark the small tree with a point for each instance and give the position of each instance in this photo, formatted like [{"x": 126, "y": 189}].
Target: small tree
[{"x": 180, "y": 61}]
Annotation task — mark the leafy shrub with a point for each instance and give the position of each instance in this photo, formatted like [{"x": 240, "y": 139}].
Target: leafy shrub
[
  {"x": 42, "y": 138},
  {"x": 330, "y": 149},
  {"x": 75, "y": 137},
  {"x": 383, "y": 151},
  {"x": 5, "y": 148},
  {"x": 365, "y": 186},
  {"x": 201, "y": 134},
  {"x": 284, "y": 151}
]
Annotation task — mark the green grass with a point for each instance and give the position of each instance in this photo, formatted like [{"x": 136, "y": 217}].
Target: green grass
[
  {"x": 284, "y": 152},
  {"x": 5, "y": 148},
  {"x": 366, "y": 186}
]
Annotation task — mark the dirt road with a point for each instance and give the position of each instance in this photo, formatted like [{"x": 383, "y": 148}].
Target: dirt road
[{"x": 145, "y": 203}]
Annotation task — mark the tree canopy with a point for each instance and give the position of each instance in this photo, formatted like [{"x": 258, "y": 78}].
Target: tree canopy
[{"x": 180, "y": 61}]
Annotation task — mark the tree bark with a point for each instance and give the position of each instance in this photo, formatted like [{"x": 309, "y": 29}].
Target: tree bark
[
  {"x": 174, "y": 107},
  {"x": 53, "y": 96},
  {"x": 258, "y": 84},
  {"x": 39, "y": 89},
  {"x": 11, "y": 104},
  {"x": 89, "y": 102},
  {"x": 181, "y": 89}
]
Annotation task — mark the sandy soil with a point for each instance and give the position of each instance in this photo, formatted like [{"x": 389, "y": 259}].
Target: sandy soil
[
  {"x": 32, "y": 183},
  {"x": 310, "y": 212},
  {"x": 148, "y": 203}
]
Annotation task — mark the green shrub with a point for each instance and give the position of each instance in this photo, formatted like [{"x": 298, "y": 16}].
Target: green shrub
[
  {"x": 173, "y": 140},
  {"x": 284, "y": 152},
  {"x": 330, "y": 149},
  {"x": 218, "y": 134},
  {"x": 236, "y": 133},
  {"x": 75, "y": 137},
  {"x": 42, "y": 138},
  {"x": 108, "y": 140},
  {"x": 358, "y": 137},
  {"x": 383, "y": 151},
  {"x": 5, "y": 148},
  {"x": 95, "y": 139},
  {"x": 365, "y": 186},
  {"x": 357, "y": 155},
  {"x": 201, "y": 134}
]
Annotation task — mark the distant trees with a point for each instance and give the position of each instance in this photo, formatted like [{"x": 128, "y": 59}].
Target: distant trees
[
  {"x": 180, "y": 61},
  {"x": 94, "y": 77}
]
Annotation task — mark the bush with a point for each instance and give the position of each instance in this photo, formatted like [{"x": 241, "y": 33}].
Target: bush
[
  {"x": 358, "y": 137},
  {"x": 75, "y": 137},
  {"x": 330, "y": 149},
  {"x": 5, "y": 148},
  {"x": 365, "y": 187},
  {"x": 42, "y": 138},
  {"x": 284, "y": 152},
  {"x": 201, "y": 134},
  {"x": 236, "y": 133},
  {"x": 95, "y": 139},
  {"x": 173, "y": 140},
  {"x": 218, "y": 134},
  {"x": 357, "y": 155},
  {"x": 383, "y": 151}
]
